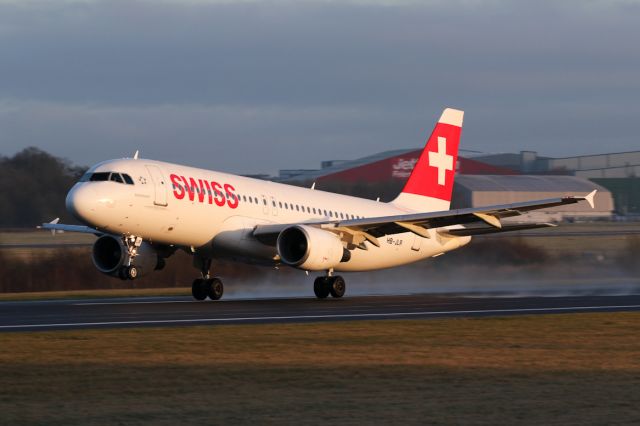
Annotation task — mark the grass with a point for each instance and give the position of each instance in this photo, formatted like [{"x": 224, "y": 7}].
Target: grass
[
  {"x": 96, "y": 294},
  {"x": 35, "y": 237},
  {"x": 556, "y": 369}
]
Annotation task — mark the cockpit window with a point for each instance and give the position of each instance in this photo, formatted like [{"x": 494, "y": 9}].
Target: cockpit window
[
  {"x": 99, "y": 177},
  {"x": 116, "y": 177},
  {"x": 107, "y": 176}
]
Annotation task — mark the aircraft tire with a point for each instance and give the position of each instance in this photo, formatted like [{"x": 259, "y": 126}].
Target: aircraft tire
[
  {"x": 198, "y": 289},
  {"x": 132, "y": 272},
  {"x": 215, "y": 288},
  {"x": 337, "y": 286},
  {"x": 122, "y": 273},
  {"x": 321, "y": 287}
]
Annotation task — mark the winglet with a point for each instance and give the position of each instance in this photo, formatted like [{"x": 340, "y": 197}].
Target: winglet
[{"x": 590, "y": 198}]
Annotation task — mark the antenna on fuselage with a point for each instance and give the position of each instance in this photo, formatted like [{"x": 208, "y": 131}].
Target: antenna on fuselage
[
  {"x": 135, "y": 156},
  {"x": 313, "y": 186}
]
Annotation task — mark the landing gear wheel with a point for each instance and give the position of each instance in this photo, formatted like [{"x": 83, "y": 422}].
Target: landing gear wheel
[
  {"x": 321, "y": 287},
  {"x": 337, "y": 286},
  {"x": 122, "y": 273},
  {"x": 132, "y": 272},
  {"x": 199, "y": 289},
  {"x": 215, "y": 288}
]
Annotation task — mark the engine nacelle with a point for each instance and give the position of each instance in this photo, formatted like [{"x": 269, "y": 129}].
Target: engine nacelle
[
  {"x": 110, "y": 255},
  {"x": 311, "y": 249}
]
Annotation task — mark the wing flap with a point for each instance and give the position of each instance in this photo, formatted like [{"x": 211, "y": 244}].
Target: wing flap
[{"x": 482, "y": 230}]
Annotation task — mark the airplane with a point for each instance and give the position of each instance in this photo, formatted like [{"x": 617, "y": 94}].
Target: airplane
[{"x": 143, "y": 211}]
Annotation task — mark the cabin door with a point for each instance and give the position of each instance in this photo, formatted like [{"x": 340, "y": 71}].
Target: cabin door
[{"x": 159, "y": 184}]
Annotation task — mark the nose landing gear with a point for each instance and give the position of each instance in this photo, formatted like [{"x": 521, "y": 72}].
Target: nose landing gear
[{"x": 128, "y": 272}]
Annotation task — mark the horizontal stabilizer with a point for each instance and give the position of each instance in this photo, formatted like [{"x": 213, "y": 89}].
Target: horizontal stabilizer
[{"x": 54, "y": 226}]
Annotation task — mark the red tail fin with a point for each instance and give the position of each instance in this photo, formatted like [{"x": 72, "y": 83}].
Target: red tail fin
[{"x": 431, "y": 182}]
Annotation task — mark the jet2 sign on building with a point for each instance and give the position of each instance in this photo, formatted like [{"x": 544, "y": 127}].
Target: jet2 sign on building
[
  {"x": 274, "y": 224},
  {"x": 402, "y": 168}
]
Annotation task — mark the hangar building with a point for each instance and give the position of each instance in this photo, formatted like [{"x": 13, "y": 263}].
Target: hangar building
[
  {"x": 613, "y": 174},
  {"x": 486, "y": 190}
]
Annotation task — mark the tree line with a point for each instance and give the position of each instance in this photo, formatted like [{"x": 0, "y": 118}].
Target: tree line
[{"x": 33, "y": 187}]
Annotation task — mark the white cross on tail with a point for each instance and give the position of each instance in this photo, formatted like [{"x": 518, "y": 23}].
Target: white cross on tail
[{"x": 441, "y": 160}]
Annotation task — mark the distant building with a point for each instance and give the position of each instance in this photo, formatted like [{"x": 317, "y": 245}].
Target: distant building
[
  {"x": 614, "y": 165},
  {"x": 487, "y": 190},
  {"x": 616, "y": 172},
  {"x": 382, "y": 167}
]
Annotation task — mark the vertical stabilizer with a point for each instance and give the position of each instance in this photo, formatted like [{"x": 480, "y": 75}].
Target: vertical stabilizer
[{"x": 430, "y": 184}]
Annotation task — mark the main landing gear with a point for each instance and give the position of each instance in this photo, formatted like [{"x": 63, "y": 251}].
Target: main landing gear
[
  {"x": 206, "y": 286},
  {"x": 325, "y": 286}
]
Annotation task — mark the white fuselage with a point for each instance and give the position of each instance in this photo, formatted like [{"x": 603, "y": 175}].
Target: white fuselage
[{"x": 215, "y": 213}]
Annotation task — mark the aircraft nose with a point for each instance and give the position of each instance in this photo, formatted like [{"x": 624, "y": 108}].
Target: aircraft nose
[{"x": 81, "y": 202}]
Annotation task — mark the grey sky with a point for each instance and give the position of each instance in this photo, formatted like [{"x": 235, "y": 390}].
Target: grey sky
[{"x": 258, "y": 86}]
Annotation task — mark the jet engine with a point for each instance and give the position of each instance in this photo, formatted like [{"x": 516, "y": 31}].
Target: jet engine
[
  {"x": 310, "y": 248},
  {"x": 111, "y": 257}
]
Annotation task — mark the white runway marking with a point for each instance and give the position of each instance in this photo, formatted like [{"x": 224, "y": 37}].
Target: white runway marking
[
  {"x": 312, "y": 317},
  {"x": 132, "y": 303}
]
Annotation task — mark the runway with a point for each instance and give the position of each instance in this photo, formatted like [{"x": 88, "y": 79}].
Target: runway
[{"x": 181, "y": 311}]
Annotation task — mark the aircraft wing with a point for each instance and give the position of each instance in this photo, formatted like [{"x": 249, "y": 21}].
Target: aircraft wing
[
  {"x": 419, "y": 223},
  {"x": 54, "y": 226}
]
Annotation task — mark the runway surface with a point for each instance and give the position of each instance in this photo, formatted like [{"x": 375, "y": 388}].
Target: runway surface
[{"x": 180, "y": 311}]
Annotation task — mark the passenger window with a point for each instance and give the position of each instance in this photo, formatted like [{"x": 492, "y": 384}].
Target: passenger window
[{"x": 244, "y": 198}]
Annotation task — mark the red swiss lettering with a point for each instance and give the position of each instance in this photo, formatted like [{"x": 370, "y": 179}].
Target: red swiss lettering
[
  {"x": 201, "y": 193},
  {"x": 178, "y": 190},
  {"x": 220, "y": 199},
  {"x": 206, "y": 183},
  {"x": 220, "y": 194},
  {"x": 190, "y": 189},
  {"x": 233, "y": 198}
]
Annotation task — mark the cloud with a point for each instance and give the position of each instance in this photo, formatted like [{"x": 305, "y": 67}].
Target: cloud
[
  {"x": 340, "y": 79},
  {"x": 226, "y": 138}
]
